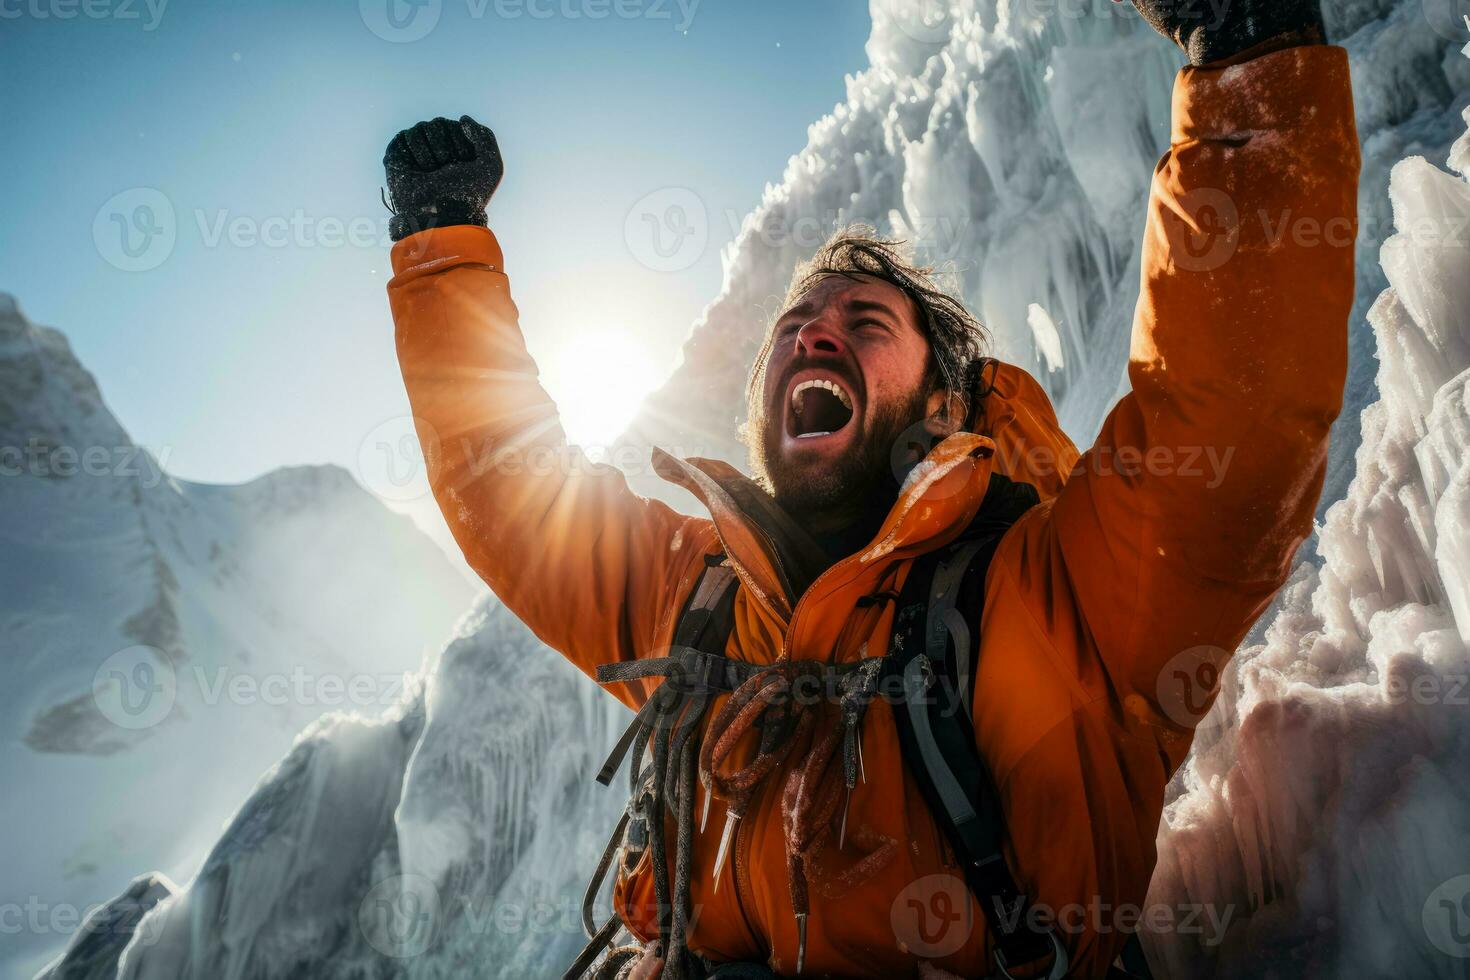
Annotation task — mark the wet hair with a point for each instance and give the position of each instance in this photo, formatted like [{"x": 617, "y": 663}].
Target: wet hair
[{"x": 956, "y": 338}]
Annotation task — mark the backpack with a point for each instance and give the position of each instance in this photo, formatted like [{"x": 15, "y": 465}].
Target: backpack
[{"x": 931, "y": 652}]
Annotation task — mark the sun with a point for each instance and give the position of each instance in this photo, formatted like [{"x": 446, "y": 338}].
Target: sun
[{"x": 599, "y": 380}]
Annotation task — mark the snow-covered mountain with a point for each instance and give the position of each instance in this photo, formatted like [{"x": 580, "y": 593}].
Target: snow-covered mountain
[
  {"x": 165, "y": 641},
  {"x": 448, "y": 839},
  {"x": 1322, "y": 808}
]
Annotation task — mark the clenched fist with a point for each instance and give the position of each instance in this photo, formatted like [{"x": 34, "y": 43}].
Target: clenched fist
[
  {"x": 1213, "y": 30},
  {"x": 441, "y": 173}
]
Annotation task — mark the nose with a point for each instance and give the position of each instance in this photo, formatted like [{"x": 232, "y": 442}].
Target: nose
[{"x": 820, "y": 336}]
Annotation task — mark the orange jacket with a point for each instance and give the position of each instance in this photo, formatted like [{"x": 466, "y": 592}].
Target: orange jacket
[{"x": 1146, "y": 562}]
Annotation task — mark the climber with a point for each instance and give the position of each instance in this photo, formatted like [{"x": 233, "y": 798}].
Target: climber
[{"x": 917, "y": 517}]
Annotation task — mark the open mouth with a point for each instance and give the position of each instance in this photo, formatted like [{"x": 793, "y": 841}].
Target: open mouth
[{"x": 819, "y": 407}]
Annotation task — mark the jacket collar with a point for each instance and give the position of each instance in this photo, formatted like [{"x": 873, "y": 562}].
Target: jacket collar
[{"x": 777, "y": 560}]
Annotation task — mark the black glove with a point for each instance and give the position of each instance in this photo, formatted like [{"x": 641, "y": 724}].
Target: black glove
[
  {"x": 1213, "y": 30},
  {"x": 441, "y": 173}
]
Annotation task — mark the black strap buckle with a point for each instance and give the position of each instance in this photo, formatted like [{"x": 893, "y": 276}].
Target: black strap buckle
[{"x": 1059, "y": 961}]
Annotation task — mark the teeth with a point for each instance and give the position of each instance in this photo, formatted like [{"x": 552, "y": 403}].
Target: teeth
[
  {"x": 831, "y": 386},
  {"x": 812, "y": 435}
]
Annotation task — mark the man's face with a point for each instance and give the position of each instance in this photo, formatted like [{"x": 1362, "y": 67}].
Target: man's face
[{"x": 848, "y": 372}]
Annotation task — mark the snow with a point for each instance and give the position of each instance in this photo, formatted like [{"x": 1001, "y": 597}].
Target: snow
[
  {"x": 454, "y": 830},
  {"x": 246, "y": 611},
  {"x": 1323, "y": 808},
  {"x": 1325, "y": 801},
  {"x": 1044, "y": 331}
]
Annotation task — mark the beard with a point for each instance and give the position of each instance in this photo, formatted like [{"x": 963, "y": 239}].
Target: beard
[{"x": 890, "y": 445}]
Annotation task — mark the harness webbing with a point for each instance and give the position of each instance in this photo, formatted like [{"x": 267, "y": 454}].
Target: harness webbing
[
  {"x": 669, "y": 724},
  {"x": 937, "y": 737},
  {"x": 932, "y": 651}
]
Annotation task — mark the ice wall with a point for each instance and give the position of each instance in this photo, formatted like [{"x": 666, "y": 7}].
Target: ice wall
[
  {"x": 1326, "y": 803},
  {"x": 450, "y": 838},
  {"x": 1012, "y": 144}
]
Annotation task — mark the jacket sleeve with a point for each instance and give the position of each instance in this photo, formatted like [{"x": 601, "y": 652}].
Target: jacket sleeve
[
  {"x": 1180, "y": 523},
  {"x": 591, "y": 567}
]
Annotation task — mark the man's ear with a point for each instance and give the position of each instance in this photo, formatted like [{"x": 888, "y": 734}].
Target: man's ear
[{"x": 944, "y": 413}]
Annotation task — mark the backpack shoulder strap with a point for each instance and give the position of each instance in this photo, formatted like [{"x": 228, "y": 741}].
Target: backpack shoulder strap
[
  {"x": 703, "y": 627},
  {"x": 709, "y": 615},
  {"x": 934, "y": 649},
  {"x": 936, "y": 665},
  {"x": 700, "y": 635}
]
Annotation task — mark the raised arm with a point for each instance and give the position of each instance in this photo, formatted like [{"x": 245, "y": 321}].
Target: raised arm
[
  {"x": 591, "y": 567},
  {"x": 1180, "y": 523}
]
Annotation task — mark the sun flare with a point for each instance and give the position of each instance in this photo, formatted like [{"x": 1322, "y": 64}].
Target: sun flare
[{"x": 599, "y": 380}]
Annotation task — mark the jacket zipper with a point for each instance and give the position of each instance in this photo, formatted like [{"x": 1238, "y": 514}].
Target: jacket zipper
[{"x": 742, "y": 836}]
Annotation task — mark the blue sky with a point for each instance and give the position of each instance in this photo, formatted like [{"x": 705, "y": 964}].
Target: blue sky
[{"x": 257, "y": 333}]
